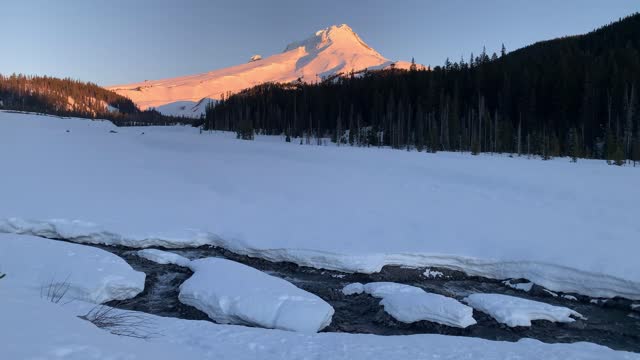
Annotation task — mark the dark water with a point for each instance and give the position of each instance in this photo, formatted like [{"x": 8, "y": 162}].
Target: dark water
[{"x": 609, "y": 323}]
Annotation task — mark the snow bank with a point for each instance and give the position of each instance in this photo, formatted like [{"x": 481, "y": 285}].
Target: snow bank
[
  {"x": 188, "y": 189},
  {"x": 90, "y": 274},
  {"x": 33, "y": 328},
  {"x": 410, "y": 304},
  {"x": 515, "y": 311},
  {"x": 213, "y": 341},
  {"x": 163, "y": 257},
  {"x": 230, "y": 292}
]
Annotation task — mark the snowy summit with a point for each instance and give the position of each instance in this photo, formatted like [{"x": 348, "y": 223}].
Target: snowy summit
[{"x": 330, "y": 51}]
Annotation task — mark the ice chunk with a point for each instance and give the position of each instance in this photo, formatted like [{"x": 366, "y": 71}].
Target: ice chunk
[
  {"x": 433, "y": 274},
  {"x": 230, "y": 292},
  {"x": 525, "y": 286},
  {"x": 163, "y": 257},
  {"x": 514, "y": 311},
  {"x": 409, "y": 304},
  {"x": 352, "y": 289}
]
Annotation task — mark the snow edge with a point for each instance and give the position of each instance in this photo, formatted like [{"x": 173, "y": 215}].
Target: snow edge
[{"x": 551, "y": 276}]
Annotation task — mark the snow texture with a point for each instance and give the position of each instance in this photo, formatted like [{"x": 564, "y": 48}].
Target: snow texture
[
  {"x": 409, "y": 304},
  {"x": 265, "y": 199},
  {"x": 33, "y": 328},
  {"x": 85, "y": 273},
  {"x": 213, "y": 341},
  {"x": 514, "y": 311},
  {"x": 230, "y": 292},
  {"x": 61, "y": 334},
  {"x": 163, "y": 257}
]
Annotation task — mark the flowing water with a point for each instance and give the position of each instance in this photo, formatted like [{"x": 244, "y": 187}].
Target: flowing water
[{"x": 610, "y": 323}]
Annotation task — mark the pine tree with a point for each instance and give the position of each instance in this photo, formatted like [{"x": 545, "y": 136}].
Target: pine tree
[
  {"x": 618, "y": 155},
  {"x": 339, "y": 131},
  {"x": 413, "y": 66},
  {"x": 630, "y": 104},
  {"x": 574, "y": 143},
  {"x": 635, "y": 156},
  {"x": 610, "y": 147}
]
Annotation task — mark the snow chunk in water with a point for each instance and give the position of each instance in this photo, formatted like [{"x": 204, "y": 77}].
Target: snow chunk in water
[
  {"x": 409, "y": 304},
  {"x": 550, "y": 293},
  {"x": 514, "y": 311},
  {"x": 91, "y": 274},
  {"x": 163, "y": 257},
  {"x": 353, "y": 289},
  {"x": 230, "y": 292},
  {"x": 526, "y": 286},
  {"x": 433, "y": 274}
]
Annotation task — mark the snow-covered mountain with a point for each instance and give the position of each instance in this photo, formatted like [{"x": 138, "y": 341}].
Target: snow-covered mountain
[{"x": 336, "y": 49}]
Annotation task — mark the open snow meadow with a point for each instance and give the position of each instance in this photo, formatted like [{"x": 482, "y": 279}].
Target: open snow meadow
[{"x": 242, "y": 233}]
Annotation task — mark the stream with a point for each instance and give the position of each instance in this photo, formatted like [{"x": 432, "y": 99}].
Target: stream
[{"x": 611, "y": 323}]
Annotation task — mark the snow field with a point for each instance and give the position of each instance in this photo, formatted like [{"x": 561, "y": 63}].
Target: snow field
[{"x": 266, "y": 199}]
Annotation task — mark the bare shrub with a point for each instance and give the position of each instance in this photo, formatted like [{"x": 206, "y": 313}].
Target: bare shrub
[
  {"x": 120, "y": 322},
  {"x": 55, "y": 291}
]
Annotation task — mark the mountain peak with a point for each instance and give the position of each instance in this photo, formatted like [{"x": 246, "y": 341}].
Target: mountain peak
[
  {"x": 342, "y": 34},
  {"x": 335, "y": 29},
  {"x": 334, "y": 50}
]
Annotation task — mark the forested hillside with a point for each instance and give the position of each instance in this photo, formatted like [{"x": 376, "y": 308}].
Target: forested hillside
[
  {"x": 575, "y": 96},
  {"x": 67, "y": 97}
]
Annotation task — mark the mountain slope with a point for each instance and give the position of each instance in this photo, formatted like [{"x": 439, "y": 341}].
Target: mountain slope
[
  {"x": 67, "y": 97},
  {"x": 61, "y": 97},
  {"x": 337, "y": 49}
]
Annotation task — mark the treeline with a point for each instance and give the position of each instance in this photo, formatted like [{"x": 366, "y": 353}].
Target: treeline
[
  {"x": 574, "y": 96},
  {"x": 67, "y": 97}
]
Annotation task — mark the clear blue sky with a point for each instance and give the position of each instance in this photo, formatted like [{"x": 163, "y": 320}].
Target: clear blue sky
[{"x": 121, "y": 41}]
